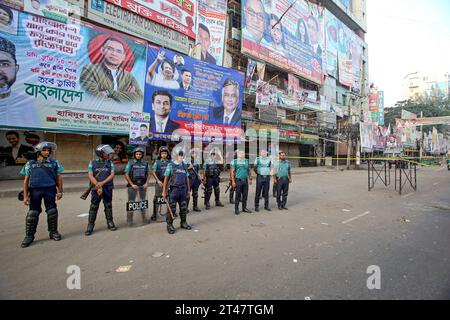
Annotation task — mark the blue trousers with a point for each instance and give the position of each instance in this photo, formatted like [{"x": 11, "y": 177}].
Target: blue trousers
[{"x": 47, "y": 193}]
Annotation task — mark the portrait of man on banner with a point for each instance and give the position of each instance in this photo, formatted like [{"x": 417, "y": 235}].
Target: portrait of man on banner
[
  {"x": 109, "y": 75},
  {"x": 228, "y": 113}
]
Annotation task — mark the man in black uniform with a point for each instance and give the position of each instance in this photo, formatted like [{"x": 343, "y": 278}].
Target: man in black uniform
[
  {"x": 211, "y": 177},
  {"x": 159, "y": 167},
  {"x": 42, "y": 178},
  {"x": 137, "y": 174},
  {"x": 194, "y": 180},
  {"x": 177, "y": 177},
  {"x": 101, "y": 174}
]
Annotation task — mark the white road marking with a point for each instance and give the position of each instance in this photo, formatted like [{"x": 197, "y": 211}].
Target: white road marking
[
  {"x": 83, "y": 215},
  {"x": 357, "y": 217},
  {"x": 346, "y": 210}
]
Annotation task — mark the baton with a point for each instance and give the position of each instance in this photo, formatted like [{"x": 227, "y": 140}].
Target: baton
[{"x": 168, "y": 208}]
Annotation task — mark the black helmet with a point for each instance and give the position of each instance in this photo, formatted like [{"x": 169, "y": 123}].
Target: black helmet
[
  {"x": 138, "y": 149},
  {"x": 103, "y": 148},
  {"x": 164, "y": 149},
  {"x": 45, "y": 145}
]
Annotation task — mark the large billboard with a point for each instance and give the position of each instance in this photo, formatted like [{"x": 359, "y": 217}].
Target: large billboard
[
  {"x": 188, "y": 97},
  {"x": 178, "y": 15},
  {"x": 211, "y": 22},
  {"x": 331, "y": 36},
  {"x": 294, "y": 43},
  {"x": 132, "y": 23},
  {"x": 71, "y": 77}
]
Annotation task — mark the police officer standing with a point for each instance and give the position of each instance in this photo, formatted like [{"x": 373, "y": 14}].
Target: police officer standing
[
  {"x": 240, "y": 175},
  {"x": 42, "y": 179},
  {"x": 211, "y": 177},
  {"x": 137, "y": 174},
  {"x": 283, "y": 178},
  {"x": 194, "y": 180},
  {"x": 263, "y": 167},
  {"x": 176, "y": 185},
  {"x": 159, "y": 167},
  {"x": 101, "y": 175}
]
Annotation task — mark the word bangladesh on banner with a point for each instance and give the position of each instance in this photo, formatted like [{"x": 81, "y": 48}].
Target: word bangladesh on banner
[
  {"x": 72, "y": 77},
  {"x": 190, "y": 98}
]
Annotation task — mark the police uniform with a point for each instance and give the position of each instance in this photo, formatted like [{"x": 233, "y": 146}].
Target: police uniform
[
  {"x": 138, "y": 171},
  {"x": 101, "y": 169},
  {"x": 177, "y": 174},
  {"x": 263, "y": 167},
  {"x": 195, "y": 182},
  {"x": 241, "y": 167},
  {"x": 42, "y": 186},
  {"x": 282, "y": 172},
  {"x": 159, "y": 167},
  {"x": 212, "y": 173}
]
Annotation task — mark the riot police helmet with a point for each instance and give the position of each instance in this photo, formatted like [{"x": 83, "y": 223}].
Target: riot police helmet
[
  {"x": 138, "y": 149},
  {"x": 45, "y": 145},
  {"x": 106, "y": 148}
]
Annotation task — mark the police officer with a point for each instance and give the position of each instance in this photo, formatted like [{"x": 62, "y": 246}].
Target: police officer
[
  {"x": 176, "y": 185},
  {"x": 159, "y": 167},
  {"x": 240, "y": 175},
  {"x": 211, "y": 177},
  {"x": 282, "y": 176},
  {"x": 101, "y": 174},
  {"x": 194, "y": 179},
  {"x": 42, "y": 180},
  {"x": 137, "y": 174},
  {"x": 263, "y": 167}
]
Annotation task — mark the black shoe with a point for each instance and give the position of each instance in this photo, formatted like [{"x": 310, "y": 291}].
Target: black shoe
[
  {"x": 219, "y": 204},
  {"x": 246, "y": 210},
  {"x": 196, "y": 209},
  {"x": 171, "y": 229},
  {"x": 232, "y": 201},
  {"x": 111, "y": 225},
  {"x": 55, "y": 235},
  {"x": 267, "y": 209},
  {"x": 89, "y": 230},
  {"x": 285, "y": 208},
  {"x": 26, "y": 242},
  {"x": 185, "y": 225},
  {"x": 207, "y": 206},
  {"x": 153, "y": 218},
  {"x": 280, "y": 208},
  {"x": 236, "y": 211},
  {"x": 256, "y": 209}
]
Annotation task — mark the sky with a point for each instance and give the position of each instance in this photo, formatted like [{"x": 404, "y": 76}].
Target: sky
[{"x": 406, "y": 36}]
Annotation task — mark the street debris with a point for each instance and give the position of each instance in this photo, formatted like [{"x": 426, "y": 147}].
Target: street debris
[
  {"x": 346, "y": 210},
  {"x": 324, "y": 223},
  {"x": 83, "y": 215},
  {"x": 403, "y": 220},
  {"x": 195, "y": 230},
  {"x": 261, "y": 224},
  {"x": 123, "y": 268},
  {"x": 157, "y": 254},
  {"x": 295, "y": 260}
]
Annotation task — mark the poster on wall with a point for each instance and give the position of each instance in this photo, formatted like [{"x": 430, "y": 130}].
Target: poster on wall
[
  {"x": 15, "y": 144},
  {"x": 9, "y": 19},
  {"x": 192, "y": 98},
  {"x": 123, "y": 20},
  {"x": 211, "y": 23},
  {"x": 295, "y": 43},
  {"x": 71, "y": 77},
  {"x": 345, "y": 61},
  {"x": 52, "y": 9},
  {"x": 139, "y": 128},
  {"x": 331, "y": 34},
  {"x": 177, "y": 15}
]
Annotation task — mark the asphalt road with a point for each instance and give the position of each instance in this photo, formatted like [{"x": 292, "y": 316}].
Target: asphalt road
[{"x": 319, "y": 249}]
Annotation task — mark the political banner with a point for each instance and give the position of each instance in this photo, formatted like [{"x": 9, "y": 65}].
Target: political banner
[
  {"x": 211, "y": 23},
  {"x": 250, "y": 75},
  {"x": 15, "y": 4},
  {"x": 71, "y": 77},
  {"x": 193, "y": 98},
  {"x": 51, "y": 9},
  {"x": 380, "y": 95},
  {"x": 357, "y": 63},
  {"x": 139, "y": 128},
  {"x": 132, "y": 23},
  {"x": 331, "y": 36},
  {"x": 345, "y": 62},
  {"x": 294, "y": 43},
  {"x": 9, "y": 19},
  {"x": 14, "y": 145},
  {"x": 266, "y": 95},
  {"x": 178, "y": 15}
]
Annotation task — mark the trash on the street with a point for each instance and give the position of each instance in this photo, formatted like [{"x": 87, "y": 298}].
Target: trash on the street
[
  {"x": 157, "y": 254},
  {"x": 295, "y": 260},
  {"x": 82, "y": 215},
  {"x": 123, "y": 268}
]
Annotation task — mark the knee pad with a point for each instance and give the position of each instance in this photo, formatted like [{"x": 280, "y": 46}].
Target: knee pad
[
  {"x": 183, "y": 207},
  {"x": 52, "y": 212},
  {"x": 32, "y": 216}
]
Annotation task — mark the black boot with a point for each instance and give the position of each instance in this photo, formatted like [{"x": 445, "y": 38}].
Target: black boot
[
  {"x": 109, "y": 216},
  {"x": 187, "y": 201},
  {"x": 231, "y": 195},
  {"x": 144, "y": 218},
  {"x": 183, "y": 215},
  {"x": 217, "y": 197},
  {"x": 207, "y": 197},
  {"x": 155, "y": 208},
  {"x": 129, "y": 218},
  {"x": 31, "y": 222},
  {"x": 91, "y": 220},
  {"x": 195, "y": 202},
  {"x": 170, "y": 228},
  {"x": 52, "y": 221}
]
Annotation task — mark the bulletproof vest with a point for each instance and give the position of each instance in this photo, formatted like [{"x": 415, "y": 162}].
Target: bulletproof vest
[
  {"x": 196, "y": 167},
  {"x": 179, "y": 173},
  {"x": 138, "y": 172},
  {"x": 161, "y": 166},
  {"x": 41, "y": 177},
  {"x": 104, "y": 169},
  {"x": 212, "y": 169}
]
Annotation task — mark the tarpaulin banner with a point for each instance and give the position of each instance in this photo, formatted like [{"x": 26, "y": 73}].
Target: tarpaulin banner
[
  {"x": 345, "y": 61},
  {"x": 199, "y": 99},
  {"x": 211, "y": 22},
  {"x": 294, "y": 43},
  {"x": 132, "y": 23},
  {"x": 331, "y": 34},
  {"x": 71, "y": 77},
  {"x": 52, "y": 9},
  {"x": 139, "y": 128},
  {"x": 178, "y": 15}
]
